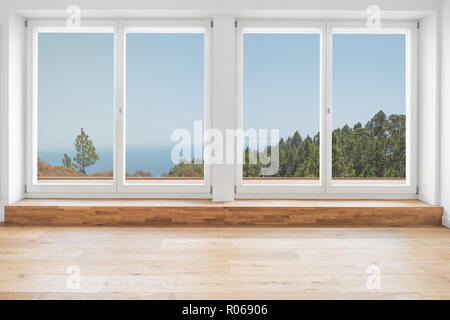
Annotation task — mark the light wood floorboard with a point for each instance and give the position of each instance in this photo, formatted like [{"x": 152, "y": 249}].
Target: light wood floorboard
[{"x": 224, "y": 263}]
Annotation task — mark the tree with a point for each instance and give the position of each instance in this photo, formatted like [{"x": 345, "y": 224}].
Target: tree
[
  {"x": 186, "y": 169},
  {"x": 86, "y": 155},
  {"x": 67, "y": 162},
  {"x": 376, "y": 150}
]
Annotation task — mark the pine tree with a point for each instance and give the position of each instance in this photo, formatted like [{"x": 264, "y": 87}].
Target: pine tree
[
  {"x": 67, "y": 162},
  {"x": 86, "y": 155}
]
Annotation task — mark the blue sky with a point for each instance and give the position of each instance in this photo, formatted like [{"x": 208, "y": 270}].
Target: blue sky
[
  {"x": 164, "y": 85},
  {"x": 282, "y": 82},
  {"x": 165, "y": 90},
  {"x": 165, "y": 78},
  {"x": 75, "y": 88},
  {"x": 368, "y": 76}
]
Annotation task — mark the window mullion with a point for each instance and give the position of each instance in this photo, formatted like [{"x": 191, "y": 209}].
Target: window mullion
[{"x": 120, "y": 108}]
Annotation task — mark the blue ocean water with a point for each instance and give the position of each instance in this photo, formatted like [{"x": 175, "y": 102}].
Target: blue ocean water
[{"x": 156, "y": 159}]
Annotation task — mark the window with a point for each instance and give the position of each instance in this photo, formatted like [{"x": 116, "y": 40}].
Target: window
[
  {"x": 280, "y": 98},
  {"x": 124, "y": 107},
  {"x": 73, "y": 101},
  {"x": 358, "y": 137},
  {"x": 372, "y": 105},
  {"x": 369, "y": 125},
  {"x": 165, "y": 99},
  {"x": 281, "y": 91},
  {"x": 118, "y": 106},
  {"x": 165, "y": 77}
]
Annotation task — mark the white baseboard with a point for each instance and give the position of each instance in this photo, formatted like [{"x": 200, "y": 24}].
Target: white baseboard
[{"x": 446, "y": 221}]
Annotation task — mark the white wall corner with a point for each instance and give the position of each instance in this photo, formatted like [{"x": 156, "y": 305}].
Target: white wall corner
[
  {"x": 4, "y": 189},
  {"x": 444, "y": 129},
  {"x": 17, "y": 107},
  {"x": 12, "y": 109},
  {"x": 446, "y": 221}
]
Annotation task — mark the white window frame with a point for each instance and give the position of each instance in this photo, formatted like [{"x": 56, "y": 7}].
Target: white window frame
[
  {"x": 65, "y": 185},
  {"x": 408, "y": 28},
  {"x": 117, "y": 186},
  {"x": 328, "y": 187},
  {"x": 287, "y": 187},
  {"x": 169, "y": 186}
]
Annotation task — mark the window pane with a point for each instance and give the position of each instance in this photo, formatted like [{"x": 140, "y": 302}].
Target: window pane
[
  {"x": 75, "y": 105},
  {"x": 369, "y": 106},
  {"x": 281, "y": 90},
  {"x": 164, "y": 92}
]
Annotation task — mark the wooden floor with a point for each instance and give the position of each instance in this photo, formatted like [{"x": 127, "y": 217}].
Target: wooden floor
[
  {"x": 240, "y": 212},
  {"x": 224, "y": 263}
]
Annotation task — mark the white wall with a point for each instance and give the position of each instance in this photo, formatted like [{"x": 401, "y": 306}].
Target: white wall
[
  {"x": 12, "y": 109},
  {"x": 444, "y": 165},
  {"x": 12, "y": 69},
  {"x": 227, "y": 6},
  {"x": 17, "y": 104},
  {"x": 428, "y": 142},
  {"x": 224, "y": 99},
  {"x": 3, "y": 109}
]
